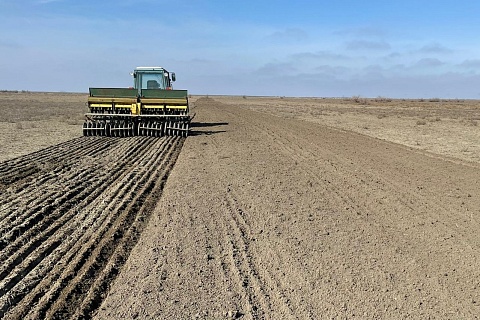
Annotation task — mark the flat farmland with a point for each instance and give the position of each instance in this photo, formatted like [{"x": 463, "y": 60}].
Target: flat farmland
[{"x": 274, "y": 208}]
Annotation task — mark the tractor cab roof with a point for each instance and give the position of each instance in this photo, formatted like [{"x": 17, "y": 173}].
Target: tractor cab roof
[{"x": 150, "y": 69}]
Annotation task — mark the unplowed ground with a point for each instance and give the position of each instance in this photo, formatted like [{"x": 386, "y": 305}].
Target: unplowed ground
[
  {"x": 267, "y": 217},
  {"x": 266, "y": 214}
]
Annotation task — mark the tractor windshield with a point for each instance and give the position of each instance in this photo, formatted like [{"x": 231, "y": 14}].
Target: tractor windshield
[{"x": 153, "y": 80}]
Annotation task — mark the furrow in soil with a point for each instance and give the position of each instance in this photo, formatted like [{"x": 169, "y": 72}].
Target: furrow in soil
[{"x": 79, "y": 235}]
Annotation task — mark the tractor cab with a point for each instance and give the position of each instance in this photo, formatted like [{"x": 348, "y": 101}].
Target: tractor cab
[{"x": 152, "y": 78}]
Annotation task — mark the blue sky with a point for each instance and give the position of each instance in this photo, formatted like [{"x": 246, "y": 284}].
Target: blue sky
[{"x": 400, "y": 49}]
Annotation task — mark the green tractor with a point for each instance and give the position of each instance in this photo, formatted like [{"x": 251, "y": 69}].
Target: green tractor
[{"x": 150, "y": 108}]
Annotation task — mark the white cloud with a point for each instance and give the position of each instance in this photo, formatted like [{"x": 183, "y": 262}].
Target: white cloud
[
  {"x": 318, "y": 56},
  {"x": 429, "y": 63},
  {"x": 367, "y": 45},
  {"x": 290, "y": 34},
  {"x": 434, "y": 48},
  {"x": 332, "y": 70},
  {"x": 277, "y": 69},
  {"x": 9, "y": 44},
  {"x": 470, "y": 64},
  {"x": 362, "y": 32}
]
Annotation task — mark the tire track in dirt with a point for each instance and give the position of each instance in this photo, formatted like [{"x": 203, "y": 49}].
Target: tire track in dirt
[
  {"x": 61, "y": 250},
  {"x": 371, "y": 186},
  {"x": 241, "y": 261},
  {"x": 272, "y": 218},
  {"x": 261, "y": 285},
  {"x": 369, "y": 192},
  {"x": 265, "y": 290},
  {"x": 385, "y": 183}
]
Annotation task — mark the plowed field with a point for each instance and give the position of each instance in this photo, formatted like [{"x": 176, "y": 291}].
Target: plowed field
[
  {"x": 273, "y": 209},
  {"x": 70, "y": 215}
]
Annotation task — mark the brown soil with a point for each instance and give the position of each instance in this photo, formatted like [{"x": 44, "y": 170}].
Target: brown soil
[
  {"x": 70, "y": 216},
  {"x": 271, "y": 211}
]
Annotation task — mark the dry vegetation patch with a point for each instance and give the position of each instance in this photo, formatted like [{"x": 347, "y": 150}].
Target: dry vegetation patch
[
  {"x": 446, "y": 127},
  {"x": 34, "y": 120}
]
